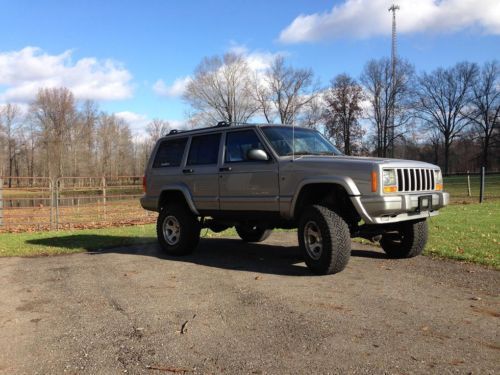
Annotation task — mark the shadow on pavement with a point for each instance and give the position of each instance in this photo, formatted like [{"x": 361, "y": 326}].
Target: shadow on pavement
[{"x": 226, "y": 253}]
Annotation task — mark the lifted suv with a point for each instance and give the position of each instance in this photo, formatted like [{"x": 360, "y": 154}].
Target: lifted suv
[{"x": 261, "y": 177}]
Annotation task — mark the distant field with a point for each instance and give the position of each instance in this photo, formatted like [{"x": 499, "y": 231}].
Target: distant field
[{"x": 469, "y": 232}]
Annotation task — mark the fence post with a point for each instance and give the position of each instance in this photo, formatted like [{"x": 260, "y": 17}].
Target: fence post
[
  {"x": 481, "y": 190},
  {"x": 51, "y": 192},
  {"x": 1, "y": 202},
  {"x": 57, "y": 187},
  {"x": 104, "y": 195},
  {"x": 468, "y": 183}
]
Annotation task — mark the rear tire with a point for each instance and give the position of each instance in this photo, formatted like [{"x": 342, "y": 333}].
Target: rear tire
[
  {"x": 178, "y": 230},
  {"x": 252, "y": 233},
  {"x": 408, "y": 241},
  {"x": 324, "y": 239}
]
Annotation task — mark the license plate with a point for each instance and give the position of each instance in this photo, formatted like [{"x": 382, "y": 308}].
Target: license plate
[{"x": 425, "y": 203}]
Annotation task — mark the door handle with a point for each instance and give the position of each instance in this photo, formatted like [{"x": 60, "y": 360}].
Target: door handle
[
  {"x": 188, "y": 170},
  {"x": 225, "y": 169}
]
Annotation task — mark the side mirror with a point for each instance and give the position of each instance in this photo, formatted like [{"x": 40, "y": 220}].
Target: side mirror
[{"x": 257, "y": 154}]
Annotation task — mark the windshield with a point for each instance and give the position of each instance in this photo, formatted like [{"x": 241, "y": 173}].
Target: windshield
[{"x": 307, "y": 142}]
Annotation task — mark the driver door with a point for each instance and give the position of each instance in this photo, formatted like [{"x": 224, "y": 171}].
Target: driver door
[{"x": 244, "y": 184}]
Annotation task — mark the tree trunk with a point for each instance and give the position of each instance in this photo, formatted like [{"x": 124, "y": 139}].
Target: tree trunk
[{"x": 446, "y": 154}]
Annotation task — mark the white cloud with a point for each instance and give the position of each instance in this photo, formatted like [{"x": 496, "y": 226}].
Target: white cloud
[
  {"x": 23, "y": 72},
  {"x": 257, "y": 61},
  {"x": 367, "y": 18},
  {"x": 137, "y": 121},
  {"x": 176, "y": 89}
]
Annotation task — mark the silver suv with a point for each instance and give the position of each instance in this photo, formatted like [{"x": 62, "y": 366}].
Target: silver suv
[{"x": 261, "y": 177}]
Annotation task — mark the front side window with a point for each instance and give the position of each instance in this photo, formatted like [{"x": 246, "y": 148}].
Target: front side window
[
  {"x": 239, "y": 143},
  {"x": 204, "y": 149},
  {"x": 170, "y": 153},
  {"x": 305, "y": 142}
]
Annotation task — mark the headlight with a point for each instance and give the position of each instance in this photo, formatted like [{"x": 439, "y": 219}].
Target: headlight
[
  {"x": 389, "y": 181},
  {"x": 438, "y": 177}
]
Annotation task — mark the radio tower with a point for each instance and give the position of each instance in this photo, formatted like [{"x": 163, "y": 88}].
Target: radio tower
[{"x": 393, "y": 9}]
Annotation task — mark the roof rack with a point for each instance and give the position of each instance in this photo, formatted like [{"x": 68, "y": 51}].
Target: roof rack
[{"x": 220, "y": 124}]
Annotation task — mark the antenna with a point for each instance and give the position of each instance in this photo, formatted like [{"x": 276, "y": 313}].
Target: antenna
[{"x": 393, "y": 9}]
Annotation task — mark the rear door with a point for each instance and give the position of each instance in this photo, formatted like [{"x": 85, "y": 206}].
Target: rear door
[
  {"x": 201, "y": 171},
  {"x": 247, "y": 185}
]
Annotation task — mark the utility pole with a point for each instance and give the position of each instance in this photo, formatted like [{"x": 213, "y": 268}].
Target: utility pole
[{"x": 393, "y": 9}]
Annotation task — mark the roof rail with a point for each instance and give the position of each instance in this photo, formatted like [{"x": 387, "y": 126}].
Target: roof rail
[{"x": 223, "y": 123}]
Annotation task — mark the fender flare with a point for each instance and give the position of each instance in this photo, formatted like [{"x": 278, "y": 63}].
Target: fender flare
[
  {"x": 185, "y": 192},
  {"x": 346, "y": 182}
]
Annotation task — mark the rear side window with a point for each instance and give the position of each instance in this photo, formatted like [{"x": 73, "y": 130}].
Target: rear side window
[
  {"x": 239, "y": 143},
  {"x": 170, "y": 153},
  {"x": 204, "y": 149}
]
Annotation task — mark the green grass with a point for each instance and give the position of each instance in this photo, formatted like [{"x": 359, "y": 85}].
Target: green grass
[
  {"x": 468, "y": 232},
  {"x": 74, "y": 241}
]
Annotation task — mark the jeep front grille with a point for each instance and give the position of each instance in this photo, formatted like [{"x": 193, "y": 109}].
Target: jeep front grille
[{"x": 415, "y": 179}]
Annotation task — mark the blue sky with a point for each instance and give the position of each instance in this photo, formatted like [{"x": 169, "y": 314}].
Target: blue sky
[{"x": 115, "y": 51}]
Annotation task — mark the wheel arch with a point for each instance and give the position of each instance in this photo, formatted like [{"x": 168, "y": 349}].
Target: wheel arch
[
  {"x": 176, "y": 193},
  {"x": 331, "y": 193}
]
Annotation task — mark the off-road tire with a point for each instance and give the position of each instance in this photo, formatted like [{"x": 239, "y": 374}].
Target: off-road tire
[
  {"x": 252, "y": 233},
  {"x": 336, "y": 240},
  {"x": 409, "y": 240},
  {"x": 189, "y": 230}
]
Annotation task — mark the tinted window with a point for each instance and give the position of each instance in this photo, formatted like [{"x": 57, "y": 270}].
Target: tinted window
[
  {"x": 238, "y": 144},
  {"x": 204, "y": 149},
  {"x": 170, "y": 153}
]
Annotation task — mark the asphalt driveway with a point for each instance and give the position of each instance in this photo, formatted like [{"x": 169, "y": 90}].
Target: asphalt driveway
[{"x": 238, "y": 308}]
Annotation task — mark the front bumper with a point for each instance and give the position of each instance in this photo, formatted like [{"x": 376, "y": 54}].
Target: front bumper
[{"x": 395, "y": 208}]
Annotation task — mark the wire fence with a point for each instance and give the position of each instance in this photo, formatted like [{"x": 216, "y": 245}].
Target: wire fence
[
  {"x": 466, "y": 187},
  {"x": 70, "y": 202}
]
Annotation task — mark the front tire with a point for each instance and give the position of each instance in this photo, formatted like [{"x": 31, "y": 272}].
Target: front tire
[
  {"x": 408, "y": 241},
  {"x": 178, "y": 230},
  {"x": 324, "y": 239},
  {"x": 252, "y": 233}
]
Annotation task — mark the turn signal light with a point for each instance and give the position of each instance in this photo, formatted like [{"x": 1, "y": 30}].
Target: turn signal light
[
  {"x": 390, "y": 189},
  {"x": 439, "y": 186},
  {"x": 374, "y": 181}
]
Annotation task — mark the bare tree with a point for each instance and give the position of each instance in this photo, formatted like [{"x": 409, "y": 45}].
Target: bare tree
[
  {"x": 484, "y": 108},
  {"x": 9, "y": 118},
  {"x": 284, "y": 92},
  {"x": 389, "y": 97},
  {"x": 54, "y": 112},
  {"x": 442, "y": 97},
  {"x": 221, "y": 90},
  {"x": 157, "y": 129},
  {"x": 343, "y": 111}
]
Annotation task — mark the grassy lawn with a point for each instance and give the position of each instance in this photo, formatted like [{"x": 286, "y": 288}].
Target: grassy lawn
[
  {"x": 468, "y": 232},
  {"x": 67, "y": 242}
]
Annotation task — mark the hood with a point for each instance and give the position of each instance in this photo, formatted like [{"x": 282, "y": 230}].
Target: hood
[{"x": 343, "y": 159}]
